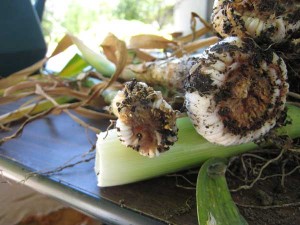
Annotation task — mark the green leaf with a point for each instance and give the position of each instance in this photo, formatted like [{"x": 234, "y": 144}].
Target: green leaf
[
  {"x": 97, "y": 60},
  {"x": 214, "y": 202},
  {"x": 73, "y": 67},
  {"x": 116, "y": 164}
]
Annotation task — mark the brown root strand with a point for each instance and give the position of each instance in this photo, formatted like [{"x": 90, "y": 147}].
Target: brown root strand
[
  {"x": 22, "y": 126},
  {"x": 284, "y": 205}
]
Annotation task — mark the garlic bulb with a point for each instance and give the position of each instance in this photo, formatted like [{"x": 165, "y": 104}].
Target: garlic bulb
[
  {"x": 236, "y": 92},
  {"x": 146, "y": 122},
  {"x": 266, "y": 21},
  {"x": 290, "y": 52},
  {"x": 169, "y": 73}
]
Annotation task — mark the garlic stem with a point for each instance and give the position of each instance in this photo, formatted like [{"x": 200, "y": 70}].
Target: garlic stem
[
  {"x": 116, "y": 164},
  {"x": 169, "y": 73}
]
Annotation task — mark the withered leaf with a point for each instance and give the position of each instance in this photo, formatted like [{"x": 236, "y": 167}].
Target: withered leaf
[{"x": 149, "y": 41}]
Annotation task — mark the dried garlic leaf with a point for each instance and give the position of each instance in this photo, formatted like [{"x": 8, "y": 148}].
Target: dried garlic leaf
[
  {"x": 110, "y": 45},
  {"x": 21, "y": 75},
  {"x": 198, "y": 33},
  {"x": 62, "y": 45},
  {"x": 92, "y": 114},
  {"x": 143, "y": 56},
  {"x": 115, "y": 50},
  {"x": 28, "y": 85},
  {"x": 194, "y": 46},
  {"x": 149, "y": 41}
]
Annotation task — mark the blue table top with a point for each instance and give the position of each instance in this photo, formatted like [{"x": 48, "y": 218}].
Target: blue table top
[{"x": 57, "y": 141}]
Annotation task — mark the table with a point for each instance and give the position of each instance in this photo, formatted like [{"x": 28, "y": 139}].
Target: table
[{"x": 54, "y": 141}]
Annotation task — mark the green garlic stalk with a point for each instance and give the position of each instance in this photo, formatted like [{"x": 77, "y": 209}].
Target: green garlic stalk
[
  {"x": 214, "y": 201},
  {"x": 117, "y": 164}
]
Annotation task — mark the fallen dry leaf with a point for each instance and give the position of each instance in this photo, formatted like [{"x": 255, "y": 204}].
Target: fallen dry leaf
[
  {"x": 62, "y": 45},
  {"x": 149, "y": 41}
]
